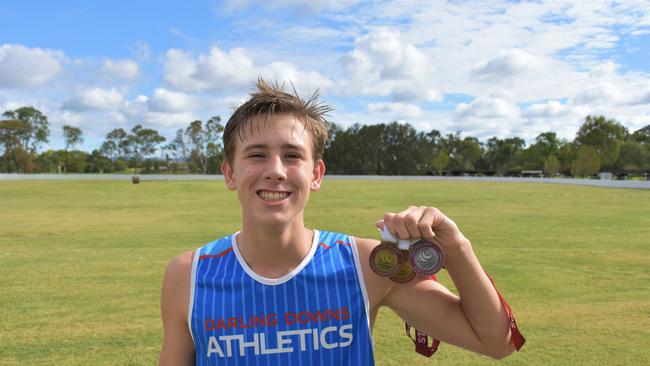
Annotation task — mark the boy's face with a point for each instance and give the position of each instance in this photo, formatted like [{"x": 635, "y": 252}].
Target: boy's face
[{"x": 273, "y": 170}]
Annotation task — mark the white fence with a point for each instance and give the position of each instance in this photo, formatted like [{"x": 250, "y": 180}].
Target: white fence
[{"x": 162, "y": 177}]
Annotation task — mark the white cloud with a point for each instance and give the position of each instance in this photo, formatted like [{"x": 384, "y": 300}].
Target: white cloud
[
  {"x": 305, "y": 82},
  {"x": 22, "y": 67},
  {"x": 487, "y": 107},
  {"x": 95, "y": 99},
  {"x": 552, "y": 108},
  {"x": 139, "y": 110},
  {"x": 507, "y": 64},
  {"x": 395, "y": 111},
  {"x": 601, "y": 93},
  {"x": 123, "y": 69},
  {"x": 383, "y": 64},
  {"x": 220, "y": 71},
  {"x": 643, "y": 98},
  {"x": 216, "y": 71},
  {"x": 168, "y": 101}
]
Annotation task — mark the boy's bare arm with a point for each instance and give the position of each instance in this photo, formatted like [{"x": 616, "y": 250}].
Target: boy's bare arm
[
  {"x": 177, "y": 347},
  {"x": 476, "y": 319}
]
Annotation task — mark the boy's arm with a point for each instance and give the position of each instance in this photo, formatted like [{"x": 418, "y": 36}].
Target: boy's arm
[
  {"x": 476, "y": 319},
  {"x": 177, "y": 347}
]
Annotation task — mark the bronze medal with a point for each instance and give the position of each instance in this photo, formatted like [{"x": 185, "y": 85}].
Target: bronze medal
[
  {"x": 405, "y": 273},
  {"x": 386, "y": 260},
  {"x": 426, "y": 258}
]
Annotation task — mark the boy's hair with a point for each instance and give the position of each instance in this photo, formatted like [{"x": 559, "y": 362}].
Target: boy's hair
[{"x": 270, "y": 99}]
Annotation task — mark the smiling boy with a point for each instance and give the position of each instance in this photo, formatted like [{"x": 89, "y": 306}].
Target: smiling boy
[{"x": 277, "y": 292}]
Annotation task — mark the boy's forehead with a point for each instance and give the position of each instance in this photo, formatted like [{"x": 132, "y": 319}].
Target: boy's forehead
[{"x": 267, "y": 125}]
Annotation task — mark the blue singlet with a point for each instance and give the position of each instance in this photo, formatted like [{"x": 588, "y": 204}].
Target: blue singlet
[{"x": 315, "y": 315}]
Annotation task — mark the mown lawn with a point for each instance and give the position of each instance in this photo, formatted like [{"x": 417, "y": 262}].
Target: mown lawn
[{"x": 81, "y": 264}]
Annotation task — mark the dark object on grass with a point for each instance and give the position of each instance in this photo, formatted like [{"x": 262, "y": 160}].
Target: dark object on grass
[{"x": 135, "y": 179}]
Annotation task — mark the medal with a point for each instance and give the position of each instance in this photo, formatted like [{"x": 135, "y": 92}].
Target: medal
[
  {"x": 426, "y": 258},
  {"x": 386, "y": 260},
  {"x": 402, "y": 259},
  {"x": 406, "y": 273}
]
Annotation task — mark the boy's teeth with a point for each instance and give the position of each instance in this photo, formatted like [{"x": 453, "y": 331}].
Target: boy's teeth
[{"x": 273, "y": 196}]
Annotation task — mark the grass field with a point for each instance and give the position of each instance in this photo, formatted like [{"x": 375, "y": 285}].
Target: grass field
[{"x": 81, "y": 264}]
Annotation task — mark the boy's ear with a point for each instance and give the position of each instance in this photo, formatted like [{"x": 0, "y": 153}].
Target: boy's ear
[
  {"x": 317, "y": 175},
  {"x": 226, "y": 170}
]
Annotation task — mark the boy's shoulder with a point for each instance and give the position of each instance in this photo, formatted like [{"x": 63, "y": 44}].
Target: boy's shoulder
[
  {"x": 218, "y": 246},
  {"x": 180, "y": 267}
]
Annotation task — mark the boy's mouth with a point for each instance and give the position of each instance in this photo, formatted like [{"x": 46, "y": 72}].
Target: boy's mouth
[{"x": 273, "y": 196}]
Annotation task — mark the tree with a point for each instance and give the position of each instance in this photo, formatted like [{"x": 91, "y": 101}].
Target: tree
[
  {"x": 566, "y": 154},
  {"x": 51, "y": 161},
  {"x": 535, "y": 156},
  {"x": 116, "y": 144},
  {"x": 142, "y": 142},
  {"x": 77, "y": 161},
  {"x": 587, "y": 162},
  {"x": 642, "y": 135},
  {"x": 98, "y": 163},
  {"x": 178, "y": 148},
  {"x": 400, "y": 153},
  {"x": 71, "y": 136},
  {"x": 36, "y": 127},
  {"x": 12, "y": 132},
  {"x": 356, "y": 150},
  {"x": 632, "y": 156},
  {"x": 451, "y": 144},
  {"x": 552, "y": 166},
  {"x": 501, "y": 155},
  {"x": 440, "y": 161},
  {"x": 605, "y": 135},
  {"x": 203, "y": 141},
  {"x": 470, "y": 153}
]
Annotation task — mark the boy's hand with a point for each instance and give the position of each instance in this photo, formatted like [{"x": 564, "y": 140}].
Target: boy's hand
[{"x": 424, "y": 222}]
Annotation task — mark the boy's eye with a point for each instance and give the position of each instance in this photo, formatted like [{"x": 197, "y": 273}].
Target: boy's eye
[
  {"x": 294, "y": 156},
  {"x": 256, "y": 155}
]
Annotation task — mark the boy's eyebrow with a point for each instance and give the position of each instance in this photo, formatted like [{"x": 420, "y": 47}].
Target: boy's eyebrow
[
  {"x": 264, "y": 146},
  {"x": 293, "y": 147},
  {"x": 255, "y": 146}
]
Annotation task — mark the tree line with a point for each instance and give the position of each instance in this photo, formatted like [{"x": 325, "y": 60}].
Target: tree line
[{"x": 601, "y": 144}]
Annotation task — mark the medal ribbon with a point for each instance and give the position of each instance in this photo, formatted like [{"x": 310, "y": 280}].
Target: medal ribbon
[{"x": 421, "y": 340}]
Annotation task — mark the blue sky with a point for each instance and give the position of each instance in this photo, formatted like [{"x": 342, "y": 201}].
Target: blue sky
[{"x": 496, "y": 69}]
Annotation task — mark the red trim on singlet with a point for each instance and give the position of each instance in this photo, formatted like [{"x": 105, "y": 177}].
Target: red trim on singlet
[
  {"x": 205, "y": 256},
  {"x": 341, "y": 242}
]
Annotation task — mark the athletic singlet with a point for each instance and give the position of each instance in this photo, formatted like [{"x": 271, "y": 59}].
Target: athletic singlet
[{"x": 315, "y": 315}]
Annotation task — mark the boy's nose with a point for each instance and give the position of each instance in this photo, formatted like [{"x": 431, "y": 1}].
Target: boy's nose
[{"x": 275, "y": 169}]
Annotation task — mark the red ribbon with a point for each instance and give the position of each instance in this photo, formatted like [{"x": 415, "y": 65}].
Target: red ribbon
[{"x": 421, "y": 340}]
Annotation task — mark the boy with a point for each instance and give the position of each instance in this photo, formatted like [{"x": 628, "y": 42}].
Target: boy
[{"x": 279, "y": 293}]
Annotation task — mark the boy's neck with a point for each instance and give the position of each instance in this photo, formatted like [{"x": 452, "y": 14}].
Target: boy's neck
[{"x": 273, "y": 252}]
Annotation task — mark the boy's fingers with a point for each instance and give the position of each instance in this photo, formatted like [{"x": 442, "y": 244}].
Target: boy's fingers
[
  {"x": 399, "y": 224},
  {"x": 412, "y": 221},
  {"x": 426, "y": 222}
]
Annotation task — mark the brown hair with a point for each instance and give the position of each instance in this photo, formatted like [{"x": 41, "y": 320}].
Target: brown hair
[{"x": 271, "y": 99}]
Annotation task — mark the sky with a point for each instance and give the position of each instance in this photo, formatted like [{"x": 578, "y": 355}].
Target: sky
[{"x": 481, "y": 68}]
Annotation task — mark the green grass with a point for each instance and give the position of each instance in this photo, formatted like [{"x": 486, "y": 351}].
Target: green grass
[{"x": 81, "y": 264}]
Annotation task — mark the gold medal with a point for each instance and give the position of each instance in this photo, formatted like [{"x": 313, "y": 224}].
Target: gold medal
[
  {"x": 405, "y": 274},
  {"x": 386, "y": 260}
]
